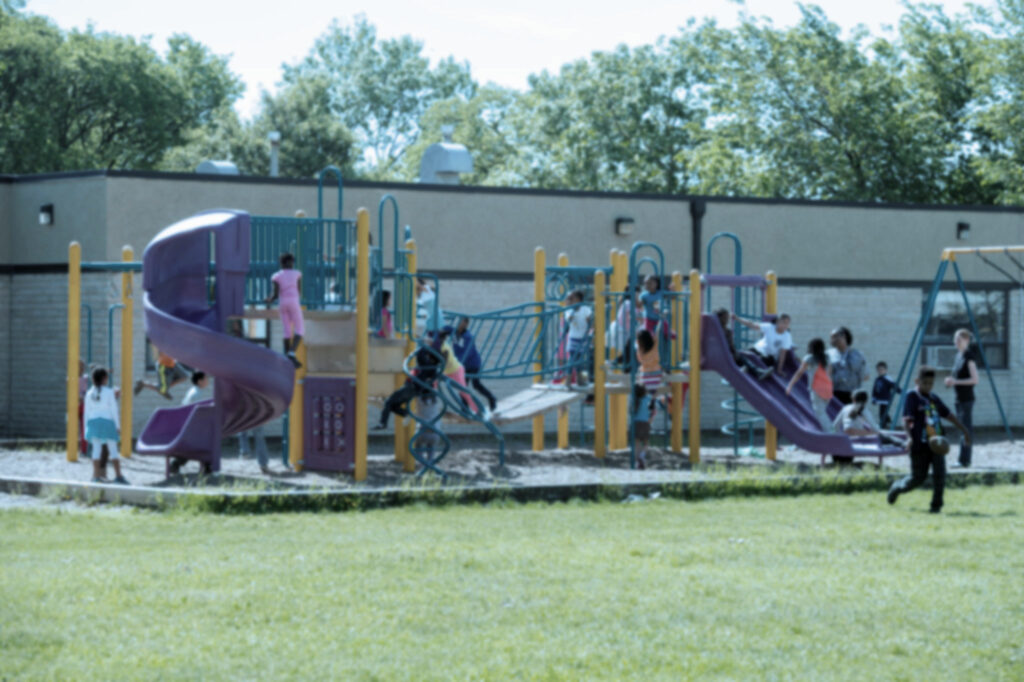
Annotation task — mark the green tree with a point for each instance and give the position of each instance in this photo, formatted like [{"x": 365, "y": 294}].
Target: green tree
[
  {"x": 487, "y": 124},
  {"x": 823, "y": 117},
  {"x": 95, "y": 100},
  {"x": 627, "y": 120},
  {"x": 380, "y": 88},
  {"x": 999, "y": 113}
]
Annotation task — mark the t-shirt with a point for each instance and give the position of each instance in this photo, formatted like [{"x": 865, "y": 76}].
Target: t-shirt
[
  {"x": 962, "y": 370},
  {"x": 651, "y": 301},
  {"x": 427, "y": 312},
  {"x": 196, "y": 394},
  {"x": 643, "y": 412},
  {"x": 923, "y": 409},
  {"x": 452, "y": 364},
  {"x": 771, "y": 341},
  {"x": 287, "y": 284},
  {"x": 578, "y": 320},
  {"x": 100, "y": 414},
  {"x": 466, "y": 351},
  {"x": 845, "y": 419},
  {"x": 848, "y": 370}
]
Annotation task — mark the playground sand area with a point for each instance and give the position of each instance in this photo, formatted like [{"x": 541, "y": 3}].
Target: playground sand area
[{"x": 477, "y": 467}]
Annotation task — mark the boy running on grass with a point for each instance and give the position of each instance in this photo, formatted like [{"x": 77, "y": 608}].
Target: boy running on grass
[{"x": 923, "y": 413}]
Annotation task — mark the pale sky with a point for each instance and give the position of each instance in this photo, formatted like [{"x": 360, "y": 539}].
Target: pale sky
[{"x": 503, "y": 42}]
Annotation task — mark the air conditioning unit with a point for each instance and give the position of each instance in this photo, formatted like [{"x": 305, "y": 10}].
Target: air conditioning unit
[{"x": 939, "y": 357}]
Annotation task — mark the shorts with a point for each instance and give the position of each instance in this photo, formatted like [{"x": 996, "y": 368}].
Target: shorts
[
  {"x": 651, "y": 380},
  {"x": 97, "y": 448},
  {"x": 576, "y": 347},
  {"x": 169, "y": 376},
  {"x": 642, "y": 430},
  {"x": 291, "y": 319}
]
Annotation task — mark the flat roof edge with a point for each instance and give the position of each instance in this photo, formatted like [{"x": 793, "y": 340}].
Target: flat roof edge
[{"x": 513, "y": 191}]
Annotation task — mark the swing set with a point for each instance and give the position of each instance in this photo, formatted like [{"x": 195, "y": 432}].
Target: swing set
[{"x": 949, "y": 257}]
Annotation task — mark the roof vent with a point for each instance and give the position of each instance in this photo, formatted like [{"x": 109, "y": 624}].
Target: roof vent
[
  {"x": 443, "y": 161},
  {"x": 217, "y": 168}
]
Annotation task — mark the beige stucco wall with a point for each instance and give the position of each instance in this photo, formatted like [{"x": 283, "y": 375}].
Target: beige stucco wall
[
  {"x": 854, "y": 243},
  {"x": 80, "y": 213},
  {"x": 5, "y": 222},
  {"x": 480, "y": 231},
  {"x": 497, "y": 231}
]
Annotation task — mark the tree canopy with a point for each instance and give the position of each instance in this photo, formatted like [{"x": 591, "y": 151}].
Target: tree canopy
[{"x": 929, "y": 111}]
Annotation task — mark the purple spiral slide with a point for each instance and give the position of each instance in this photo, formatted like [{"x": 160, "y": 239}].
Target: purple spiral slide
[{"x": 188, "y": 304}]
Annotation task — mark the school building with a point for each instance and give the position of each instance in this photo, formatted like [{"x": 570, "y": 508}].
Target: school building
[{"x": 865, "y": 266}]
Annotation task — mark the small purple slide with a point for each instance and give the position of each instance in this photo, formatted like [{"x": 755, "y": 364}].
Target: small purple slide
[
  {"x": 790, "y": 414},
  {"x": 187, "y": 308}
]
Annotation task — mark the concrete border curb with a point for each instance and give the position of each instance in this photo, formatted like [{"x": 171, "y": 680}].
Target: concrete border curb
[{"x": 257, "y": 501}]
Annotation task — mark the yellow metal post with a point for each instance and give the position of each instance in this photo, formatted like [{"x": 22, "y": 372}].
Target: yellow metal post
[
  {"x": 296, "y": 424},
  {"x": 695, "y": 360},
  {"x": 619, "y": 402},
  {"x": 539, "y": 266},
  {"x": 563, "y": 412},
  {"x": 677, "y": 360},
  {"x": 362, "y": 338},
  {"x": 74, "y": 341},
  {"x": 405, "y": 432},
  {"x": 600, "y": 442},
  {"x": 771, "y": 306},
  {"x": 127, "y": 361}
]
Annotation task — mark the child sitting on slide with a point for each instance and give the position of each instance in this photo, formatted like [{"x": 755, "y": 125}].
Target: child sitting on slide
[
  {"x": 287, "y": 283},
  {"x": 774, "y": 344}
]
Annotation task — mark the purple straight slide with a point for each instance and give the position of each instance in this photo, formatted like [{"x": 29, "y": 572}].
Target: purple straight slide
[
  {"x": 790, "y": 414},
  {"x": 187, "y": 310}
]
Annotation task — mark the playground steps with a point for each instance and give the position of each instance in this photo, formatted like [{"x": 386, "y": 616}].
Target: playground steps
[{"x": 330, "y": 341}]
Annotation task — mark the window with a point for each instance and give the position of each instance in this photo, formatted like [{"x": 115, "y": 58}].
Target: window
[{"x": 989, "y": 307}]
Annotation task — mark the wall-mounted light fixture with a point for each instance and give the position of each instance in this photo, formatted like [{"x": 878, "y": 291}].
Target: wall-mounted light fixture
[
  {"x": 963, "y": 230},
  {"x": 624, "y": 226},
  {"x": 46, "y": 214}
]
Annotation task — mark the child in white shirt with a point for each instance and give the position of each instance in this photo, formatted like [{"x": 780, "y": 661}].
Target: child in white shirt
[{"x": 102, "y": 426}]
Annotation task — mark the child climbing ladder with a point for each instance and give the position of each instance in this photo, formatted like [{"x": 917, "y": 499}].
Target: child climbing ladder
[{"x": 287, "y": 284}]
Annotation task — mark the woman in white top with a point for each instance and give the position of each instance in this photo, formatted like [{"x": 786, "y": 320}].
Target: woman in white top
[{"x": 102, "y": 426}]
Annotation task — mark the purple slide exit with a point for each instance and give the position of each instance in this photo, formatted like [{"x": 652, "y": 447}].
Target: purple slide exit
[
  {"x": 790, "y": 414},
  {"x": 187, "y": 305}
]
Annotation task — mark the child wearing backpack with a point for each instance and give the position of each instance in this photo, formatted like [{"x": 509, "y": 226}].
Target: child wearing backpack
[{"x": 815, "y": 365}]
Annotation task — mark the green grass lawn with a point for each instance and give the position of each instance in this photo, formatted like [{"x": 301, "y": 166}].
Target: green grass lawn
[{"x": 815, "y": 587}]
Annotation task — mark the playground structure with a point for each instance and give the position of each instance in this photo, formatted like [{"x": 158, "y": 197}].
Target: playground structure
[
  {"x": 949, "y": 257},
  {"x": 207, "y": 271}
]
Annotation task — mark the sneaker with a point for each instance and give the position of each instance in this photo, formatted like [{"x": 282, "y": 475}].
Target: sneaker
[
  {"x": 934, "y": 510},
  {"x": 139, "y": 385},
  {"x": 765, "y": 373},
  {"x": 641, "y": 462},
  {"x": 166, "y": 394},
  {"x": 892, "y": 495},
  {"x": 97, "y": 479},
  {"x": 379, "y": 427},
  {"x": 295, "y": 360},
  {"x": 121, "y": 480}
]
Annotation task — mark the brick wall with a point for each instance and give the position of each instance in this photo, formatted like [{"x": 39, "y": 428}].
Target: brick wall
[
  {"x": 882, "y": 321},
  {"x": 5, "y": 357}
]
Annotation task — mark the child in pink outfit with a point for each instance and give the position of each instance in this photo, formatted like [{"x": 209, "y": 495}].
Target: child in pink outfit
[{"x": 287, "y": 284}]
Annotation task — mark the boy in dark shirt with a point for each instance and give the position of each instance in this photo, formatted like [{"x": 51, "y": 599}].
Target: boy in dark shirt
[
  {"x": 881, "y": 393},
  {"x": 428, "y": 367},
  {"x": 923, "y": 413}
]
